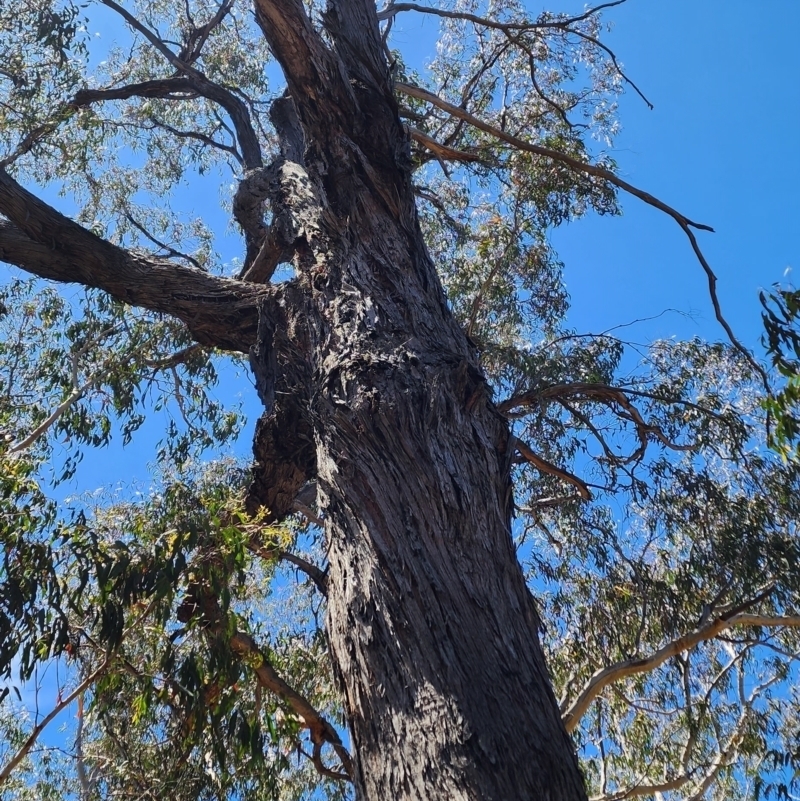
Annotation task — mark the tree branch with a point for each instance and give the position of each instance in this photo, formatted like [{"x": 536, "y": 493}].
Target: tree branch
[
  {"x": 590, "y": 389},
  {"x": 174, "y": 88},
  {"x": 395, "y": 8},
  {"x": 37, "y": 432},
  {"x": 42, "y": 725},
  {"x": 551, "y": 469},
  {"x": 201, "y": 603},
  {"x": 236, "y": 108},
  {"x": 439, "y": 150},
  {"x": 599, "y": 172},
  {"x": 198, "y": 35},
  {"x": 630, "y": 667},
  {"x": 220, "y": 312}
]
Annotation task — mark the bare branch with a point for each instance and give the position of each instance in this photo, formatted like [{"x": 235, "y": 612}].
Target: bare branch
[
  {"x": 42, "y": 725},
  {"x": 599, "y": 172},
  {"x": 630, "y": 667},
  {"x": 395, "y": 8},
  {"x": 514, "y": 29},
  {"x": 438, "y": 149},
  {"x": 43, "y": 427}
]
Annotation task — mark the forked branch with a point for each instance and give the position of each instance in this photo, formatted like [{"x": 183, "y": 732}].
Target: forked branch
[
  {"x": 631, "y": 667},
  {"x": 604, "y": 174}
]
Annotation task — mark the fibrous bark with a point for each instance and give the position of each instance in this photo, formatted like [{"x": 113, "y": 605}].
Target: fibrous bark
[{"x": 433, "y": 631}]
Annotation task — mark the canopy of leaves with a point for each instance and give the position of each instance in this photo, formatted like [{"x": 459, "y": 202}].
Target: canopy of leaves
[{"x": 658, "y": 532}]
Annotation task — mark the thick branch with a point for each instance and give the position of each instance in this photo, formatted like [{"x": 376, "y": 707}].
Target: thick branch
[
  {"x": 309, "y": 67},
  {"x": 175, "y": 88},
  {"x": 218, "y": 311},
  {"x": 599, "y": 172},
  {"x": 630, "y": 667}
]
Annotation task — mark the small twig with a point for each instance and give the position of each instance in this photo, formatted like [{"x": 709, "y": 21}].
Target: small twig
[{"x": 170, "y": 251}]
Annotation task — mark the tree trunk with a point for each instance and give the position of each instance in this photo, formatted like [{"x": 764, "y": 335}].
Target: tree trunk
[{"x": 433, "y": 632}]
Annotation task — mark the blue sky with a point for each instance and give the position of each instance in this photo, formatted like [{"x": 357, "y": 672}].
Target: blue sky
[{"x": 720, "y": 146}]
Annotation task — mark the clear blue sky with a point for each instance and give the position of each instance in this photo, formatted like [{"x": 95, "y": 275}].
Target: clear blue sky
[{"x": 721, "y": 146}]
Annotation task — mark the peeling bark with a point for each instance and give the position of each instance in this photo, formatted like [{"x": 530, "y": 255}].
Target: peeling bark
[{"x": 433, "y": 632}]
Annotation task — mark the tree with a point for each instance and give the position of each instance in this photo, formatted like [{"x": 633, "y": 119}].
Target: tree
[{"x": 418, "y": 384}]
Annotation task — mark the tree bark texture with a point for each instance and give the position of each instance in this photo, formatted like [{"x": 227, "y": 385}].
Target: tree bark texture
[
  {"x": 433, "y": 632},
  {"x": 371, "y": 388}
]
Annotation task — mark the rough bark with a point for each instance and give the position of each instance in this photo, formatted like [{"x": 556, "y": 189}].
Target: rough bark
[
  {"x": 433, "y": 631},
  {"x": 371, "y": 387}
]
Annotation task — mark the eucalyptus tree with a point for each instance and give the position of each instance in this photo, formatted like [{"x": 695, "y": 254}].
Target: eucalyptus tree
[{"x": 404, "y": 320}]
